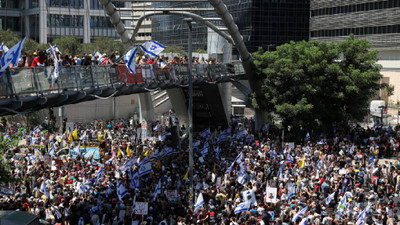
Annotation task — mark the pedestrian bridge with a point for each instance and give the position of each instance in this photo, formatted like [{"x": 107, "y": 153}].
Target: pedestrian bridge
[{"x": 24, "y": 90}]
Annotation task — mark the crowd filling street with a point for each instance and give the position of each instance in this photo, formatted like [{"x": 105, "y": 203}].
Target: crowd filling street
[{"x": 240, "y": 175}]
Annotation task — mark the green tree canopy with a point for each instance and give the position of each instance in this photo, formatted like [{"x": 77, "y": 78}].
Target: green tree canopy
[
  {"x": 68, "y": 45},
  {"x": 305, "y": 82},
  {"x": 175, "y": 49},
  {"x": 10, "y": 39}
]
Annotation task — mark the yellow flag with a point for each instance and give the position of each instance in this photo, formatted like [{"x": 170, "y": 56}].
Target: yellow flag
[
  {"x": 298, "y": 180},
  {"x": 75, "y": 134},
  {"x": 301, "y": 163},
  {"x": 99, "y": 137},
  {"x": 36, "y": 152},
  {"x": 128, "y": 151},
  {"x": 186, "y": 175},
  {"x": 70, "y": 136},
  {"x": 119, "y": 152},
  {"x": 146, "y": 153}
]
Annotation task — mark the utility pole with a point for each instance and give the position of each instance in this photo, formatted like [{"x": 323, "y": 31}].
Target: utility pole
[{"x": 190, "y": 111}]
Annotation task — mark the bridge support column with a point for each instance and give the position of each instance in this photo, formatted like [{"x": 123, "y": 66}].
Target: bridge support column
[
  {"x": 225, "y": 91},
  {"x": 146, "y": 107},
  {"x": 179, "y": 104}
]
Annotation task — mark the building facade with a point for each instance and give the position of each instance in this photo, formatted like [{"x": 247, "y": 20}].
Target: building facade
[
  {"x": 376, "y": 20},
  {"x": 266, "y": 24},
  {"x": 45, "y": 20}
]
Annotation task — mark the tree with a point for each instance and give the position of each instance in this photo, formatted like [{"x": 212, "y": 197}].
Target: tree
[
  {"x": 68, "y": 45},
  {"x": 175, "y": 49},
  {"x": 310, "y": 83},
  {"x": 10, "y": 39},
  {"x": 200, "y": 50},
  {"x": 107, "y": 45}
]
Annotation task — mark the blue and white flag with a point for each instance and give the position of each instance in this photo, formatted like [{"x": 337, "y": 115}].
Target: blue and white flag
[
  {"x": 129, "y": 164},
  {"x": 121, "y": 191},
  {"x": 157, "y": 127},
  {"x": 240, "y": 134},
  {"x": 130, "y": 59},
  {"x": 242, "y": 207},
  {"x": 4, "y": 47},
  {"x": 145, "y": 169},
  {"x": 196, "y": 144},
  {"x": 11, "y": 56},
  {"x": 308, "y": 136},
  {"x": 342, "y": 205},
  {"x": 164, "y": 135},
  {"x": 157, "y": 190},
  {"x": 99, "y": 174},
  {"x": 152, "y": 48},
  {"x": 303, "y": 221},
  {"x": 32, "y": 158},
  {"x": 239, "y": 159},
  {"x": 242, "y": 174},
  {"x": 56, "y": 72},
  {"x": 289, "y": 158},
  {"x": 204, "y": 151},
  {"x": 363, "y": 215},
  {"x": 365, "y": 211},
  {"x": 351, "y": 150},
  {"x": 108, "y": 192},
  {"x": 199, "y": 202},
  {"x": 53, "y": 48},
  {"x": 300, "y": 214},
  {"x": 330, "y": 198},
  {"x": 34, "y": 140},
  {"x": 36, "y": 130},
  {"x": 5, "y": 191},
  {"x": 44, "y": 189},
  {"x": 205, "y": 133},
  {"x": 134, "y": 179},
  {"x": 51, "y": 152},
  {"x": 77, "y": 149},
  {"x": 96, "y": 53},
  {"x": 58, "y": 213},
  {"x": 84, "y": 187},
  {"x": 291, "y": 191}
]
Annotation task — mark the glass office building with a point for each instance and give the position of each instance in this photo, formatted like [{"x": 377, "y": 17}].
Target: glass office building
[
  {"x": 267, "y": 23},
  {"x": 45, "y": 20}
]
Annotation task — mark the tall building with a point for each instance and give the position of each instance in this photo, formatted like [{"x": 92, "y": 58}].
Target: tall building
[
  {"x": 267, "y": 23},
  {"x": 144, "y": 33},
  {"x": 45, "y": 20},
  {"x": 376, "y": 20}
]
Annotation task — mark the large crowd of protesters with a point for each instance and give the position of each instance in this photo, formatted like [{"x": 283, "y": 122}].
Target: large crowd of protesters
[
  {"x": 243, "y": 176},
  {"x": 42, "y": 58}
]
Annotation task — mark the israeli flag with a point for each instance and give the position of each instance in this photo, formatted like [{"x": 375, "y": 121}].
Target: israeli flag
[
  {"x": 196, "y": 144},
  {"x": 351, "y": 149},
  {"x": 11, "y": 56},
  {"x": 330, "y": 198},
  {"x": 56, "y": 72},
  {"x": 96, "y": 53},
  {"x": 205, "y": 133},
  {"x": 242, "y": 174},
  {"x": 44, "y": 189},
  {"x": 364, "y": 212},
  {"x": 168, "y": 151},
  {"x": 58, "y": 213},
  {"x": 242, "y": 207},
  {"x": 199, "y": 202},
  {"x": 289, "y": 158},
  {"x": 128, "y": 164},
  {"x": 164, "y": 136},
  {"x": 134, "y": 180},
  {"x": 303, "y": 221},
  {"x": 308, "y": 136},
  {"x": 300, "y": 214},
  {"x": 157, "y": 190},
  {"x": 291, "y": 191},
  {"x": 342, "y": 205},
  {"x": 108, "y": 192},
  {"x": 157, "y": 127},
  {"x": 77, "y": 149},
  {"x": 239, "y": 158},
  {"x": 121, "y": 191},
  {"x": 6, "y": 191},
  {"x": 36, "y": 130},
  {"x": 204, "y": 151},
  {"x": 130, "y": 59},
  {"x": 99, "y": 174},
  {"x": 145, "y": 169},
  {"x": 32, "y": 158},
  {"x": 4, "y": 47},
  {"x": 51, "y": 151},
  {"x": 53, "y": 48},
  {"x": 240, "y": 134},
  {"x": 152, "y": 48}
]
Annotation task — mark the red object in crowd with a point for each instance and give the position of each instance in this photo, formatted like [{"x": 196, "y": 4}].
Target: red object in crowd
[{"x": 37, "y": 60}]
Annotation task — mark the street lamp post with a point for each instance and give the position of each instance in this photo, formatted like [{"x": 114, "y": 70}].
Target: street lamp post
[{"x": 190, "y": 111}]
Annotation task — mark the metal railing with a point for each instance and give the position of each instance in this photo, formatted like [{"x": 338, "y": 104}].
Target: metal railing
[{"x": 39, "y": 80}]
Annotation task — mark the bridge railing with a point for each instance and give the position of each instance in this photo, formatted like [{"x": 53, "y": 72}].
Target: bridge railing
[{"x": 40, "y": 80}]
